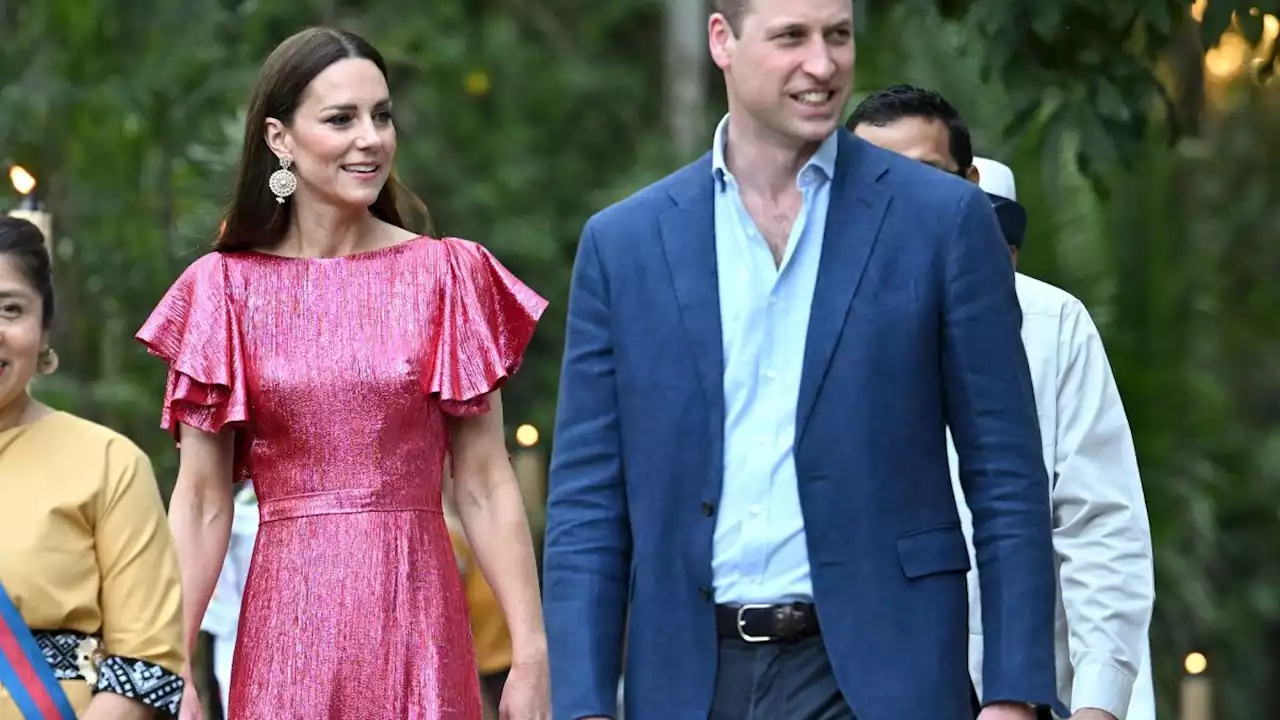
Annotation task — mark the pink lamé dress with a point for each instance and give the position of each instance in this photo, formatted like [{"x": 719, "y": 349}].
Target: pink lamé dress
[{"x": 338, "y": 376}]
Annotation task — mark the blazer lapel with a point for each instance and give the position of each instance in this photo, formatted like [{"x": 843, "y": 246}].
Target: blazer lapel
[
  {"x": 689, "y": 243},
  {"x": 854, "y": 216}
]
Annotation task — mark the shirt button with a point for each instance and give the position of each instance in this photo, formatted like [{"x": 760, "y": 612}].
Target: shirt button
[
  {"x": 755, "y": 509},
  {"x": 708, "y": 508},
  {"x": 770, "y": 374}
]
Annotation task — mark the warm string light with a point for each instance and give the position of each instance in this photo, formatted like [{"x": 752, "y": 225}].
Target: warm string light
[
  {"x": 23, "y": 181},
  {"x": 1264, "y": 67},
  {"x": 1233, "y": 53},
  {"x": 1195, "y": 693},
  {"x": 527, "y": 435},
  {"x": 30, "y": 208}
]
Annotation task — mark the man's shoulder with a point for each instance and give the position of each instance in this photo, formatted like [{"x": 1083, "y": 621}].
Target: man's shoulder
[
  {"x": 926, "y": 206},
  {"x": 1055, "y": 312},
  {"x": 1038, "y": 297},
  {"x": 651, "y": 200}
]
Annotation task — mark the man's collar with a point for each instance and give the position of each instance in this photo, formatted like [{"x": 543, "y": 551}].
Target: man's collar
[{"x": 824, "y": 159}]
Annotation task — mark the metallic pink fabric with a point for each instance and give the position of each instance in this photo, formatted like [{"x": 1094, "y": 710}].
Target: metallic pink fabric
[{"x": 337, "y": 376}]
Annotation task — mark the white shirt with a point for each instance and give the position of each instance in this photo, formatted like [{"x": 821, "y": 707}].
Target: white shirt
[
  {"x": 758, "y": 549},
  {"x": 222, "y": 617},
  {"x": 1101, "y": 536}
]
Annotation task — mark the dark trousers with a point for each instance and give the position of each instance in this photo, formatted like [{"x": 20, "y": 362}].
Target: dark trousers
[
  {"x": 784, "y": 681},
  {"x": 492, "y": 685}
]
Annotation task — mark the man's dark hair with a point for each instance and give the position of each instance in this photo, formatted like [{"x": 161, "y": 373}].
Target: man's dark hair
[
  {"x": 909, "y": 101},
  {"x": 733, "y": 11}
]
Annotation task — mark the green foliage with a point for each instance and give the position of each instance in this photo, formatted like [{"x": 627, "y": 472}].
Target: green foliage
[
  {"x": 1195, "y": 321},
  {"x": 1177, "y": 266},
  {"x": 1090, "y": 69}
]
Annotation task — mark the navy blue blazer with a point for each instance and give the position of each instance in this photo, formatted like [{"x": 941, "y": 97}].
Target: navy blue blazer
[{"x": 914, "y": 327}]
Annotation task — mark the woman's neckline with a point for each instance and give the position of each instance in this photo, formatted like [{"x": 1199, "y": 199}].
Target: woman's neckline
[
  {"x": 49, "y": 413},
  {"x": 361, "y": 255}
]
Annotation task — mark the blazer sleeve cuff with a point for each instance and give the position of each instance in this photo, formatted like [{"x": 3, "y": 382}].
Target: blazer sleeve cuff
[{"x": 1101, "y": 686}]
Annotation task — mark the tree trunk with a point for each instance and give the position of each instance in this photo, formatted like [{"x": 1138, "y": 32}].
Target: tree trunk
[
  {"x": 685, "y": 62},
  {"x": 1186, "y": 60}
]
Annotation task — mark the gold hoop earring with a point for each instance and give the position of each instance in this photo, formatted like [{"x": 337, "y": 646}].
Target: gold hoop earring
[
  {"x": 283, "y": 182},
  {"x": 47, "y": 363}
]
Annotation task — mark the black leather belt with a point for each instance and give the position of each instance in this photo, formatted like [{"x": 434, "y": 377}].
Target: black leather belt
[{"x": 767, "y": 623}]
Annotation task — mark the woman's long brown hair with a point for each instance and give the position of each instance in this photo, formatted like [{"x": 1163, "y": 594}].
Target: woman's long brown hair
[{"x": 254, "y": 219}]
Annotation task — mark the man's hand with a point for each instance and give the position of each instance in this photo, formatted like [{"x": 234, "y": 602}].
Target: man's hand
[
  {"x": 1092, "y": 714},
  {"x": 1007, "y": 711}
]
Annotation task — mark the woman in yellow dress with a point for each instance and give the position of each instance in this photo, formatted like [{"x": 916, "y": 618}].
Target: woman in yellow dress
[{"x": 90, "y": 605}]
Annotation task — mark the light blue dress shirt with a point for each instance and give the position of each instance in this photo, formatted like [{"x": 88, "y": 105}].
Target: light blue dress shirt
[{"x": 758, "y": 551}]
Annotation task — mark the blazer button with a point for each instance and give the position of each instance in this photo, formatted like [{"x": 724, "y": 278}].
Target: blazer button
[
  {"x": 704, "y": 592},
  {"x": 708, "y": 509}
]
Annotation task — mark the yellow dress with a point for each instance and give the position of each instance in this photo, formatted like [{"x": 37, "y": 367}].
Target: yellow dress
[{"x": 85, "y": 551}]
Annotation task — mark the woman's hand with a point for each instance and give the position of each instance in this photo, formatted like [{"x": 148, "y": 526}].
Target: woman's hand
[
  {"x": 190, "y": 709},
  {"x": 527, "y": 693}
]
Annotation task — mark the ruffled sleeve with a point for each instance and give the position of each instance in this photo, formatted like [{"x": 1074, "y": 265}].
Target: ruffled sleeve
[
  {"x": 194, "y": 329},
  {"x": 487, "y": 318}
]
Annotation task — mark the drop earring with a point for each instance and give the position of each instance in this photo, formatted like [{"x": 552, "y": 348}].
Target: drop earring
[
  {"x": 283, "y": 182},
  {"x": 47, "y": 363}
]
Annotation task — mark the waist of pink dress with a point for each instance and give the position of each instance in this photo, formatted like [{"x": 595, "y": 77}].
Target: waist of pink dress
[{"x": 341, "y": 502}]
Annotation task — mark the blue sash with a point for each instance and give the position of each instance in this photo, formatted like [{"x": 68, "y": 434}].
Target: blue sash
[{"x": 25, "y": 672}]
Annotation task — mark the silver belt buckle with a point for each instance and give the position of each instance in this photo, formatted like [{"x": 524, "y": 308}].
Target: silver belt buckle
[{"x": 742, "y": 633}]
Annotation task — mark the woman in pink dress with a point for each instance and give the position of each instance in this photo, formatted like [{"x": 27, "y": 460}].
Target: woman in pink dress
[{"x": 336, "y": 358}]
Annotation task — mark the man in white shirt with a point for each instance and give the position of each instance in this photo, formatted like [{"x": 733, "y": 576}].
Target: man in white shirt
[{"x": 1102, "y": 539}]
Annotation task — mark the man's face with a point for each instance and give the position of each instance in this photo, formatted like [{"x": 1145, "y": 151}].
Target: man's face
[
  {"x": 919, "y": 138},
  {"x": 789, "y": 68},
  {"x": 925, "y": 140}
]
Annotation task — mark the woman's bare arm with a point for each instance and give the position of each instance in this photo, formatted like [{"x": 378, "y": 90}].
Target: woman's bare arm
[
  {"x": 492, "y": 511},
  {"x": 200, "y": 513}
]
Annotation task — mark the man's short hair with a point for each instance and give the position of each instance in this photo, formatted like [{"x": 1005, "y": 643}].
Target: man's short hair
[
  {"x": 733, "y": 11},
  {"x": 908, "y": 101}
]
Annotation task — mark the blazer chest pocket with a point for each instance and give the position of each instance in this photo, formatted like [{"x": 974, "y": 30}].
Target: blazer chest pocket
[
  {"x": 936, "y": 550},
  {"x": 872, "y": 301}
]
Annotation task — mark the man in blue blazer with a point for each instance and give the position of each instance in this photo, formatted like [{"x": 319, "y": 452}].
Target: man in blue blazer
[{"x": 750, "y": 478}]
